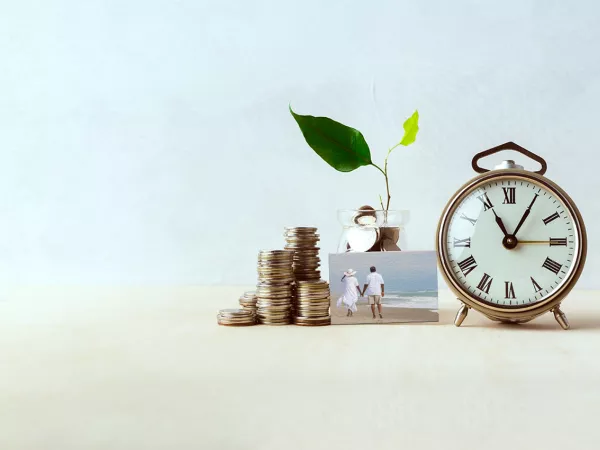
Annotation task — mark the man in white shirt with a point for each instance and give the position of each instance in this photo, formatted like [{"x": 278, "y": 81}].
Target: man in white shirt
[{"x": 375, "y": 289}]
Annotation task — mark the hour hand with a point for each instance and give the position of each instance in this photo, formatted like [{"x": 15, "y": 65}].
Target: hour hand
[{"x": 500, "y": 223}]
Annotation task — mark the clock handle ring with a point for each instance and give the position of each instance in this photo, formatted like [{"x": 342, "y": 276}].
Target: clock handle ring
[{"x": 508, "y": 146}]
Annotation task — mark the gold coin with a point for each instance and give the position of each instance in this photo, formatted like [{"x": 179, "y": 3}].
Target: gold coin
[
  {"x": 276, "y": 288},
  {"x": 317, "y": 304},
  {"x": 247, "y": 316},
  {"x": 276, "y": 282},
  {"x": 306, "y": 259},
  {"x": 315, "y": 323},
  {"x": 312, "y": 314},
  {"x": 313, "y": 294},
  {"x": 310, "y": 239},
  {"x": 233, "y": 313},
  {"x": 269, "y": 319},
  {"x": 233, "y": 324},
  {"x": 252, "y": 319},
  {"x": 316, "y": 283},
  {"x": 248, "y": 305},
  {"x": 274, "y": 292},
  {"x": 274, "y": 301},
  {"x": 312, "y": 310},
  {"x": 240, "y": 324},
  {"x": 267, "y": 294},
  {"x": 311, "y": 319}
]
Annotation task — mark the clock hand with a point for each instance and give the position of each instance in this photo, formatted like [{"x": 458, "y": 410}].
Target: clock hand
[
  {"x": 525, "y": 215},
  {"x": 500, "y": 223}
]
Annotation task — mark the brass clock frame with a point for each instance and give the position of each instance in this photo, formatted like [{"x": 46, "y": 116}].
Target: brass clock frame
[{"x": 529, "y": 312}]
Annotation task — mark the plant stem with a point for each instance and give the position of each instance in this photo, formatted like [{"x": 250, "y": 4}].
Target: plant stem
[{"x": 387, "y": 183}]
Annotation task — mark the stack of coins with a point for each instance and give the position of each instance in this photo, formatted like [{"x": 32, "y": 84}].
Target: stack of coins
[
  {"x": 274, "y": 289},
  {"x": 312, "y": 303},
  {"x": 236, "y": 318},
  {"x": 248, "y": 301},
  {"x": 303, "y": 241}
]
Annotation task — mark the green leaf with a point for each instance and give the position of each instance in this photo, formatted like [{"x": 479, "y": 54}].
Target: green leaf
[
  {"x": 411, "y": 128},
  {"x": 342, "y": 147}
]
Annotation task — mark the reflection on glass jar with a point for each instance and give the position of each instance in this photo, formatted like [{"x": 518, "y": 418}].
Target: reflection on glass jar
[{"x": 370, "y": 230}]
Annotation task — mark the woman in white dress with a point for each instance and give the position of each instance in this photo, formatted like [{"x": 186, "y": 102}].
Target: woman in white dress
[{"x": 351, "y": 292}]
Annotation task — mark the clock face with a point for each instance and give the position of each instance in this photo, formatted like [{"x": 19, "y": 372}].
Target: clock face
[{"x": 510, "y": 242}]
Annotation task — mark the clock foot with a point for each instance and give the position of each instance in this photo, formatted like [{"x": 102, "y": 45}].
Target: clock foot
[
  {"x": 461, "y": 315},
  {"x": 561, "y": 318}
]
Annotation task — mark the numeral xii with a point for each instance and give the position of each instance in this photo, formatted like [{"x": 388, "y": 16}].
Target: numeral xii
[{"x": 509, "y": 195}]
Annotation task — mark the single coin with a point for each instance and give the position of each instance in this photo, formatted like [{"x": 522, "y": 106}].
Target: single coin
[
  {"x": 230, "y": 322},
  {"x": 274, "y": 301},
  {"x": 312, "y": 319},
  {"x": 311, "y": 304},
  {"x": 233, "y": 313},
  {"x": 311, "y": 284},
  {"x": 323, "y": 322},
  {"x": 248, "y": 317},
  {"x": 312, "y": 311},
  {"x": 273, "y": 319}
]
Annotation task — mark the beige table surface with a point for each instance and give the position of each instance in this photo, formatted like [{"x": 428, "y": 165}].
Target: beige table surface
[{"x": 99, "y": 368}]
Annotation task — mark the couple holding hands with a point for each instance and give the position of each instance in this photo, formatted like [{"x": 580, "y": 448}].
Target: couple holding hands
[{"x": 373, "y": 288}]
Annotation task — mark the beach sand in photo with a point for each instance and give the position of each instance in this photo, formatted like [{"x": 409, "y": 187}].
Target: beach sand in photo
[{"x": 390, "y": 314}]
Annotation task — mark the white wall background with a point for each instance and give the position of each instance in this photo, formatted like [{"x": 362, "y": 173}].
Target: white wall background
[{"x": 146, "y": 141}]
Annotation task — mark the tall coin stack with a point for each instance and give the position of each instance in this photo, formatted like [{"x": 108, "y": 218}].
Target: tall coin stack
[
  {"x": 274, "y": 289},
  {"x": 303, "y": 241},
  {"x": 312, "y": 303}
]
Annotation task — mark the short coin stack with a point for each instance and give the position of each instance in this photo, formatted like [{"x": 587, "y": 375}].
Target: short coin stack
[
  {"x": 274, "y": 288},
  {"x": 303, "y": 241},
  {"x": 248, "y": 301},
  {"x": 312, "y": 303},
  {"x": 236, "y": 318}
]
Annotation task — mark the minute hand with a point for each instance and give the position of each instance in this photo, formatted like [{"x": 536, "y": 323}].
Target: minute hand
[{"x": 527, "y": 211}]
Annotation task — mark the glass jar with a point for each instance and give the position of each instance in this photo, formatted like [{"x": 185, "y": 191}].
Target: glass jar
[{"x": 372, "y": 230}]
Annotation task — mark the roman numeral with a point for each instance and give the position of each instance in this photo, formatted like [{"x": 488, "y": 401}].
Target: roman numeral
[
  {"x": 549, "y": 219},
  {"x": 552, "y": 265},
  {"x": 485, "y": 283},
  {"x": 509, "y": 195},
  {"x": 536, "y": 287},
  {"x": 463, "y": 242},
  {"x": 558, "y": 241},
  {"x": 487, "y": 204},
  {"x": 467, "y": 265},
  {"x": 509, "y": 290},
  {"x": 462, "y": 216}
]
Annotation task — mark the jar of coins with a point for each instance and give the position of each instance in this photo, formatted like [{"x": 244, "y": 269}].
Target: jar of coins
[{"x": 367, "y": 229}]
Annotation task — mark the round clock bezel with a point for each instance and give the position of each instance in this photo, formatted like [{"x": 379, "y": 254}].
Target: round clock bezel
[{"x": 496, "y": 311}]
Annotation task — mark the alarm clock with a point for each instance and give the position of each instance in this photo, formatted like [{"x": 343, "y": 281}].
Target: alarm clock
[{"x": 511, "y": 244}]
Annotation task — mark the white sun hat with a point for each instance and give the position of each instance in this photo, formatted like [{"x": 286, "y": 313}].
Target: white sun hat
[{"x": 350, "y": 273}]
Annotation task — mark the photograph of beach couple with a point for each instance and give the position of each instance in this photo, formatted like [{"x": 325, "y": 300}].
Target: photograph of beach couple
[{"x": 383, "y": 287}]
